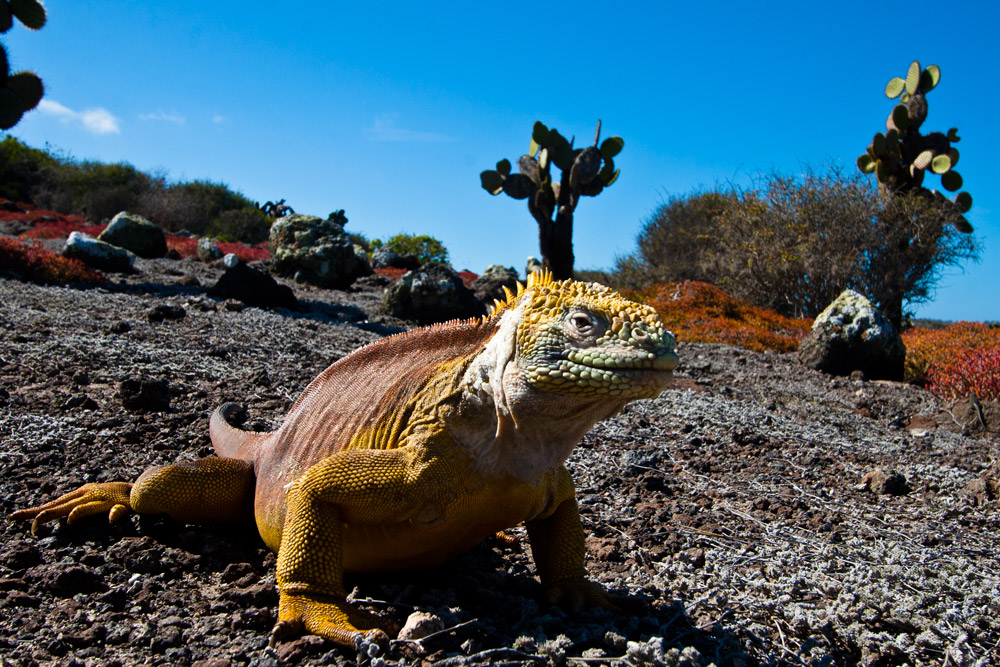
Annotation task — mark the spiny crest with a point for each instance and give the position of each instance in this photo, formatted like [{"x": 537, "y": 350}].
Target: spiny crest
[
  {"x": 548, "y": 295},
  {"x": 535, "y": 279}
]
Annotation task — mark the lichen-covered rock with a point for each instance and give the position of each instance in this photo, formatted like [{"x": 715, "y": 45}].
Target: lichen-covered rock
[
  {"x": 852, "y": 335},
  {"x": 314, "y": 250},
  {"x": 490, "y": 284},
  {"x": 208, "y": 249},
  {"x": 136, "y": 234},
  {"x": 253, "y": 288},
  {"x": 383, "y": 258},
  {"x": 98, "y": 254},
  {"x": 432, "y": 293}
]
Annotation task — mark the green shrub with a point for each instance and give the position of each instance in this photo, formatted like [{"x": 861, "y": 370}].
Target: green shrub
[
  {"x": 98, "y": 191},
  {"x": 247, "y": 225},
  {"x": 426, "y": 248},
  {"x": 22, "y": 168}
]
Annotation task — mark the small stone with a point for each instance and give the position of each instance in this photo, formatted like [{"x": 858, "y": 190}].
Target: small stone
[
  {"x": 295, "y": 650},
  {"x": 420, "y": 624},
  {"x": 165, "y": 312},
  {"x": 880, "y": 483},
  {"x": 230, "y": 261},
  {"x": 145, "y": 395}
]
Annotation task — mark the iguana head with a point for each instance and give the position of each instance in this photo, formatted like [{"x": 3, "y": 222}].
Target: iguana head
[{"x": 585, "y": 339}]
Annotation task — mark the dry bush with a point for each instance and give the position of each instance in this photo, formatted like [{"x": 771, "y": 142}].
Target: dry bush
[
  {"x": 793, "y": 244},
  {"x": 680, "y": 241},
  {"x": 700, "y": 312}
]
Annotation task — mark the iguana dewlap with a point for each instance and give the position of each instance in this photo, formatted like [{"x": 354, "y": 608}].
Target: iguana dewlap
[{"x": 417, "y": 447}]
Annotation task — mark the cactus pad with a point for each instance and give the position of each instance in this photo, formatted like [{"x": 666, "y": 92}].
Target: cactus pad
[
  {"x": 611, "y": 147},
  {"x": 951, "y": 181},
  {"x": 929, "y": 79},
  {"x": 540, "y": 133},
  {"x": 28, "y": 87},
  {"x": 913, "y": 78},
  {"x": 953, "y": 156},
  {"x": 29, "y": 12},
  {"x": 491, "y": 181},
  {"x": 866, "y": 164},
  {"x": 519, "y": 186},
  {"x": 963, "y": 200},
  {"x": 953, "y": 135},
  {"x": 503, "y": 166},
  {"x": 11, "y": 108},
  {"x": 901, "y": 118},
  {"x": 923, "y": 160},
  {"x": 895, "y": 87},
  {"x": 941, "y": 164}
]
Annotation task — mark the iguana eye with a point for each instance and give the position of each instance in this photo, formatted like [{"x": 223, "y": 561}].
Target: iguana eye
[{"x": 583, "y": 322}]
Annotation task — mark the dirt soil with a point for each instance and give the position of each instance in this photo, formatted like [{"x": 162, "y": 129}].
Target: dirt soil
[{"x": 762, "y": 513}]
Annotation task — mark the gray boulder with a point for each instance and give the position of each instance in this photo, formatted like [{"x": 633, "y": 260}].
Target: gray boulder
[
  {"x": 489, "y": 286},
  {"x": 316, "y": 251},
  {"x": 532, "y": 265},
  {"x": 136, "y": 234},
  {"x": 383, "y": 258},
  {"x": 98, "y": 254},
  {"x": 254, "y": 288},
  {"x": 852, "y": 335},
  {"x": 208, "y": 249},
  {"x": 432, "y": 293}
]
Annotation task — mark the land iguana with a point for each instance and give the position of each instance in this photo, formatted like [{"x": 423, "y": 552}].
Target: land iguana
[{"x": 417, "y": 447}]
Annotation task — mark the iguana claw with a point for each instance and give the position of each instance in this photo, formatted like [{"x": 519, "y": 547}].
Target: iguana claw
[
  {"x": 575, "y": 593},
  {"x": 89, "y": 499},
  {"x": 326, "y": 616}
]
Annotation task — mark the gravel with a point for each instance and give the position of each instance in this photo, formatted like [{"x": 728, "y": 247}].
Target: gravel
[{"x": 760, "y": 512}]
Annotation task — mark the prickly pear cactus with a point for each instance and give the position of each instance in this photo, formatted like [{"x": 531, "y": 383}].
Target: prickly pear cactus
[
  {"x": 584, "y": 172},
  {"x": 902, "y": 156},
  {"x": 22, "y": 91}
]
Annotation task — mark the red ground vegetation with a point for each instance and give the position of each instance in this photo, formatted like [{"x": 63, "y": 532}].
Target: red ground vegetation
[
  {"x": 391, "y": 272},
  {"x": 30, "y": 261},
  {"x": 187, "y": 246},
  {"x": 700, "y": 312},
  {"x": 49, "y": 224},
  {"x": 955, "y": 360}
]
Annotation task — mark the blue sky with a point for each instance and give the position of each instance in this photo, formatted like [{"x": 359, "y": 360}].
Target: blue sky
[{"x": 390, "y": 110}]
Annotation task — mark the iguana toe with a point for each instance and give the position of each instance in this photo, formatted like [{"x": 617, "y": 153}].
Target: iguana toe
[
  {"x": 325, "y": 616},
  {"x": 576, "y": 593},
  {"x": 89, "y": 499}
]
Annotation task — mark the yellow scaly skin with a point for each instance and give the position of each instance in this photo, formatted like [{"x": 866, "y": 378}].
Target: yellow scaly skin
[{"x": 416, "y": 448}]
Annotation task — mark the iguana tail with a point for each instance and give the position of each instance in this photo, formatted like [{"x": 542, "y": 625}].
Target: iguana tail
[{"x": 229, "y": 441}]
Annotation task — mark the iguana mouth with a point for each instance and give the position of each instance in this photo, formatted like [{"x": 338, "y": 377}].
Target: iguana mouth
[
  {"x": 624, "y": 359},
  {"x": 617, "y": 372}
]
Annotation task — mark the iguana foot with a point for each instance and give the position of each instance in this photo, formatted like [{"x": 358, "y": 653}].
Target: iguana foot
[
  {"x": 89, "y": 499},
  {"x": 326, "y": 616},
  {"x": 575, "y": 593}
]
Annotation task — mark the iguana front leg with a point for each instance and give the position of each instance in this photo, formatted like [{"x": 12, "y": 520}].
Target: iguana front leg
[
  {"x": 357, "y": 486},
  {"x": 559, "y": 551},
  {"x": 211, "y": 489}
]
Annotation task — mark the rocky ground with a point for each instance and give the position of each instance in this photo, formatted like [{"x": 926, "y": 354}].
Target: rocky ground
[{"x": 762, "y": 513}]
